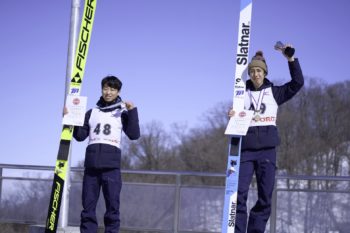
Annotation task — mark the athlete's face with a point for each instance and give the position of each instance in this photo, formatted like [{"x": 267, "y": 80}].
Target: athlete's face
[
  {"x": 109, "y": 94},
  {"x": 257, "y": 75}
]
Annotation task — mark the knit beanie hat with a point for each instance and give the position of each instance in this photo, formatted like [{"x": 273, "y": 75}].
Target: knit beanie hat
[{"x": 258, "y": 61}]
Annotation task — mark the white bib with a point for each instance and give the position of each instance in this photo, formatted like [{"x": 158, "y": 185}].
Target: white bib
[
  {"x": 106, "y": 127},
  {"x": 267, "y": 112}
]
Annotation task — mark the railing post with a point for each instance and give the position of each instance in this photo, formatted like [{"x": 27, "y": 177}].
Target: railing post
[
  {"x": 273, "y": 217},
  {"x": 0, "y": 184},
  {"x": 177, "y": 203}
]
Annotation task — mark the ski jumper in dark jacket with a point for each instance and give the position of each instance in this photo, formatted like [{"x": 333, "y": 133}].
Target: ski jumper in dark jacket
[
  {"x": 258, "y": 149},
  {"x": 104, "y": 125}
]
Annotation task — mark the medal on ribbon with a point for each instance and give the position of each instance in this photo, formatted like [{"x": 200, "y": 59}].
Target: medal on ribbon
[
  {"x": 257, "y": 104},
  {"x": 256, "y": 117}
]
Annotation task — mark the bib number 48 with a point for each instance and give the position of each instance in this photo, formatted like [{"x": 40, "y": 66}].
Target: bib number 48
[{"x": 106, "y": 129}]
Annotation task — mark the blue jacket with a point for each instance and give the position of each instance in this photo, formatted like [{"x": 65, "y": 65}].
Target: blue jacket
[
  {"x": 104, "y": 155},
  {"x": 264, "y": 137}
]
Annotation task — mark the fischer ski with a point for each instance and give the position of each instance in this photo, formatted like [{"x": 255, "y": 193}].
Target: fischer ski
[
  {"x": 234, "y": 147},
  {"x": 67, "y": 130}
]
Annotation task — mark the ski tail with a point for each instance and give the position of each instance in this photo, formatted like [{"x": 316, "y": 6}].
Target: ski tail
[
  {"x": 67, "y": 130},
  {"x": 231, "y": 187}
]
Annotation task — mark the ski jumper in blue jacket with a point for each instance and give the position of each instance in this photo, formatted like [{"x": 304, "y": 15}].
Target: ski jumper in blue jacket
[
  {"x": 103, "y": 126},
  {"x": 258, "y": 148}
]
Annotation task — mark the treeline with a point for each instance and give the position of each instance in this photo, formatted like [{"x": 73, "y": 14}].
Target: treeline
[{"x": 314, "y": 129}]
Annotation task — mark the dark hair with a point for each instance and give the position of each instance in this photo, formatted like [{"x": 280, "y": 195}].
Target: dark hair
[{"x": 111, "y": 81}]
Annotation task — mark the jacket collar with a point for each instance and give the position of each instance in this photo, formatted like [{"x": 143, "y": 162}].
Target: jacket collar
[
  {"x": 250, "y": 85},
  {"x": 109, "y": 106}
]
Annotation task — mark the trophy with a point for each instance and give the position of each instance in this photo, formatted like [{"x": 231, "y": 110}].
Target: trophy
[{"x": 289, "y": 51}]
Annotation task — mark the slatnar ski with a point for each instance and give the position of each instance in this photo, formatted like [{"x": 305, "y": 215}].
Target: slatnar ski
[{"x": 234, "y": 151}]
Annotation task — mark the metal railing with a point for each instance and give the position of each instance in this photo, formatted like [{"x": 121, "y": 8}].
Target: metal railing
[{"x": 180, "y": 190}]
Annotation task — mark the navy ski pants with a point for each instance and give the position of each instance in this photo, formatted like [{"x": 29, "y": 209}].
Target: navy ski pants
[
  {"x": 111, "y": 183},
  {"x": 262, "y": 163}
]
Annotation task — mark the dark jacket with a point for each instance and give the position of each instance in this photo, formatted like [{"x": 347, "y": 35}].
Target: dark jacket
[
  {"x": 104, "y": 155},
  {"x": 264, "y": 137}
]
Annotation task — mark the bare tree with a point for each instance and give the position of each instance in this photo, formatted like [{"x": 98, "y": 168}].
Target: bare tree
[
  {"x": 153, "y": 151},
  {"x": 314, "y": 129},
  {"x": 205, "y": 148}
]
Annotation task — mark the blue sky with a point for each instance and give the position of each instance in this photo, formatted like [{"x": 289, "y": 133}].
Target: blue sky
[{"x": 175, "y": 58}]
